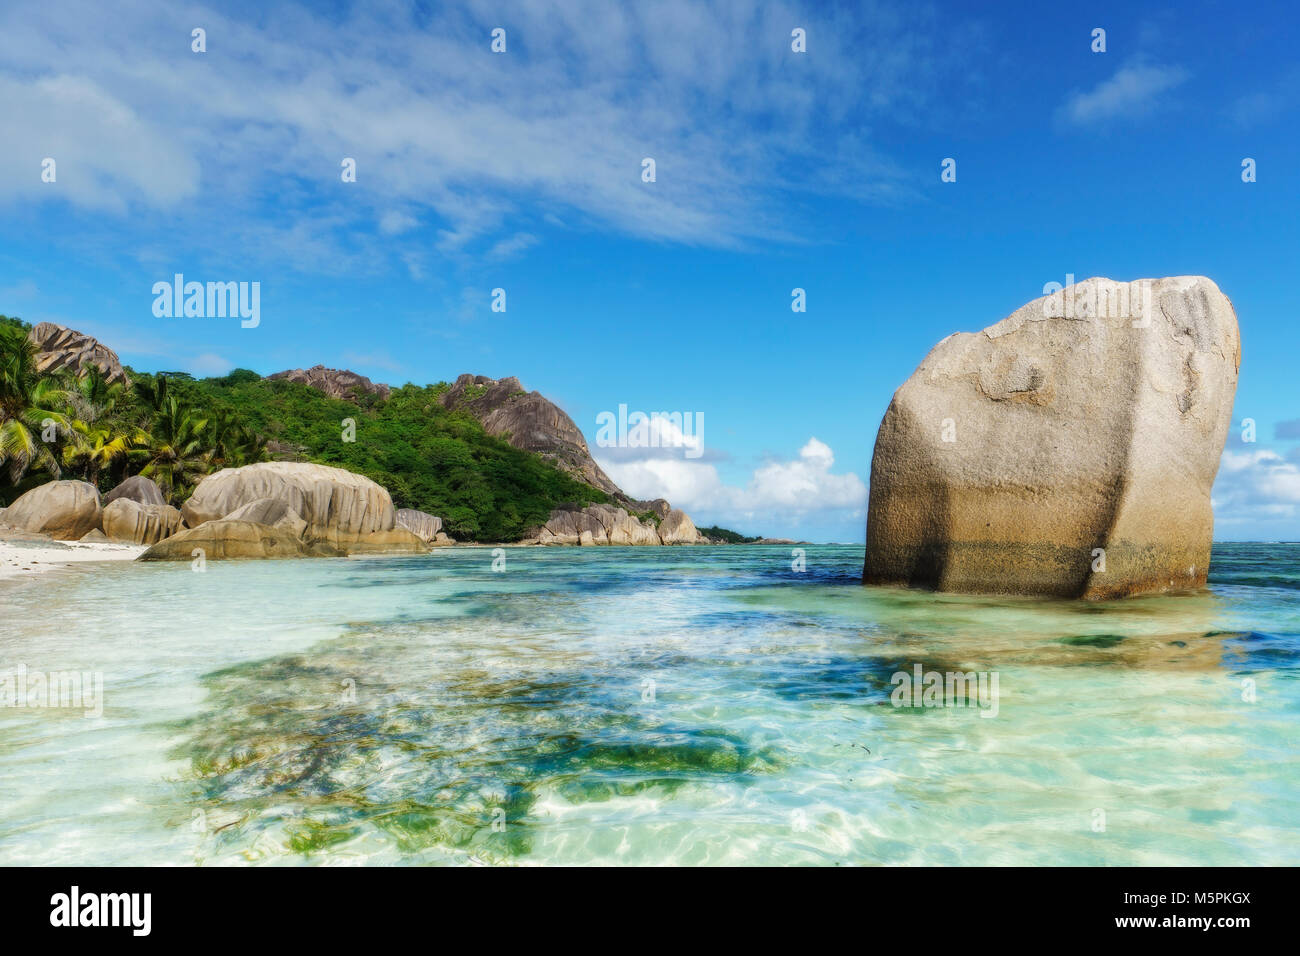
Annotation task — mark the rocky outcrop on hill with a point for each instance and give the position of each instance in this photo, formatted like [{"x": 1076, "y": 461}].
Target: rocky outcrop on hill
[
  {"x": 60, "y": 348},
  {"x": 530, "y": 421},
  {"x": 129, "y": 521},
  {"x": 65, "y": 510},
  {"x": 339, "y": 507},
  {"x": 527, "y": 420},
  {"x": 139, "y": 489},
  {"x": 334, "y": 382},
  {"x": 1062, "y": 451}
]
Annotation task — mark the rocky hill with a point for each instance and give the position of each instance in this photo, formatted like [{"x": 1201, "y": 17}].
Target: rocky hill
[
  {"x": 479, "y": 490},
  {"x": 530, "y": 421},
  {"x": 334, "y": 382}
]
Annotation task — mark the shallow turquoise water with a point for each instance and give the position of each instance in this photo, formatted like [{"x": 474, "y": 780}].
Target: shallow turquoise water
[{"x": 653, "y": 706}]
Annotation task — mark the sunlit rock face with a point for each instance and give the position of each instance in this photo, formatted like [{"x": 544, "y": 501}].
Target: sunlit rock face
[
  {"x": 339, "y": 508},
  {"x": 59, "y": 349},
  {"x": 1068, "y": 450}
]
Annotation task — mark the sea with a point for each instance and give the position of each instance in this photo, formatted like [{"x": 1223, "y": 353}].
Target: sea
[{"x": 741, "y": 705}]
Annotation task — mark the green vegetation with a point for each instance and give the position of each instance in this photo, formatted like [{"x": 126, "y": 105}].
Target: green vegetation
[
  {"x": 59, "y": 425},
  {"x": 428, "y": 457},
  {"x": 723, "y": 534},
  {"x": 175, "y": 429}
]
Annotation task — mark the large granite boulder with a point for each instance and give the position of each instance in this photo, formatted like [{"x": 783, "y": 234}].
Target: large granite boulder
[
  {"x": 59, "y": 348},
  {"x": 424, "y": 525},
  {"x": 222, "y": 539},
  {"x": 139, "y": 489},
  {"x": 126, "y": 520},
  {"x": 678, "y": 528},
  {"x": 339, "y": 507},
  {"x": 1068, "y": 450},
  {"x": 65, "y": 510}
]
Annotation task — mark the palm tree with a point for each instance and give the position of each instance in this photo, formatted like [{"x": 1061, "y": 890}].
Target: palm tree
[
  {"x": 29, "y": 404},
  {"x": 98, "y": 442},
  {"x": 176, "y": 452},
  {"x": 234, "y": 445}
]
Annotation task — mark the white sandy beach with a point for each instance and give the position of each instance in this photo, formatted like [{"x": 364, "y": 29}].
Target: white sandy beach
[{"x": 18, "y": 559}]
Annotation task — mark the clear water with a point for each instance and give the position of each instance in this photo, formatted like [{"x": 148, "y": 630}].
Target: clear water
[{"x": 429, "y": 710}]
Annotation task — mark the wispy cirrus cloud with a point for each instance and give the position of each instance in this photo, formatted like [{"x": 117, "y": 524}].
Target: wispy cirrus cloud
[
  {"x": 1134, "y": 90},
  {"x": 444, "y": 130}
]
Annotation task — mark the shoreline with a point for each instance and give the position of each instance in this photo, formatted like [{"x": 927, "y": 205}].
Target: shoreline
[{"x": 22, "y": 559}]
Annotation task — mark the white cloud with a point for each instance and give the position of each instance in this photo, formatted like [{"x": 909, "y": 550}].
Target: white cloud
[
  {"x": 452, "y": 134},
  {"x": 1257, "y": 485},
  {"x": 508, "y": 248},
  {"x": 394, "y": 223},
  {"x": 1132, "y": 91},
  {"x": 105, "y": 153},
  {"x": 778, "y": 493}
]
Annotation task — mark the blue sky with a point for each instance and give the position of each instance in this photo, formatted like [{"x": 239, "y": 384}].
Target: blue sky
[{"x": 774, "y": 170}]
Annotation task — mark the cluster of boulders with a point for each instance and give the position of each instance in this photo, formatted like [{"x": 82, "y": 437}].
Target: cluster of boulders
[
  {"x": 271, "y": 509},
  {"x": 297, "y": 509},
  {"x": 610, "y": 525}
]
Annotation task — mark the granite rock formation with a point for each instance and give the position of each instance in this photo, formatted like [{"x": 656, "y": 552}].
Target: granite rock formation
[
  {"x": 1068, "y": 450},
  {"x": 334, "y": 382},
  {"x": 60, "y": 348}
]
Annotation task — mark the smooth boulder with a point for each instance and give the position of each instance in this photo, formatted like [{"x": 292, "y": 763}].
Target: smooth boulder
[
  {"x": 420, "y": 523},
  {"x": 678, "y": 528},
  {"x": 224, "y": 539},
  {"x": 339, "y": 507},
  {"x": 1068, "y": 450},
  {"x": 65, "y": 510},
  {"x": 128, "y": 521},
  {"x": 139, "y": 489}
]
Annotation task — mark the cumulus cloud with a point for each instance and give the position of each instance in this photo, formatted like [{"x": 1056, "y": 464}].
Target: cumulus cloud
[
  {"x": 1256, "y": 485},
  {"x": 633, "y": 436},
  {"x": 1135, "y": 89},
  {"x": 778, "y": 493}
]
